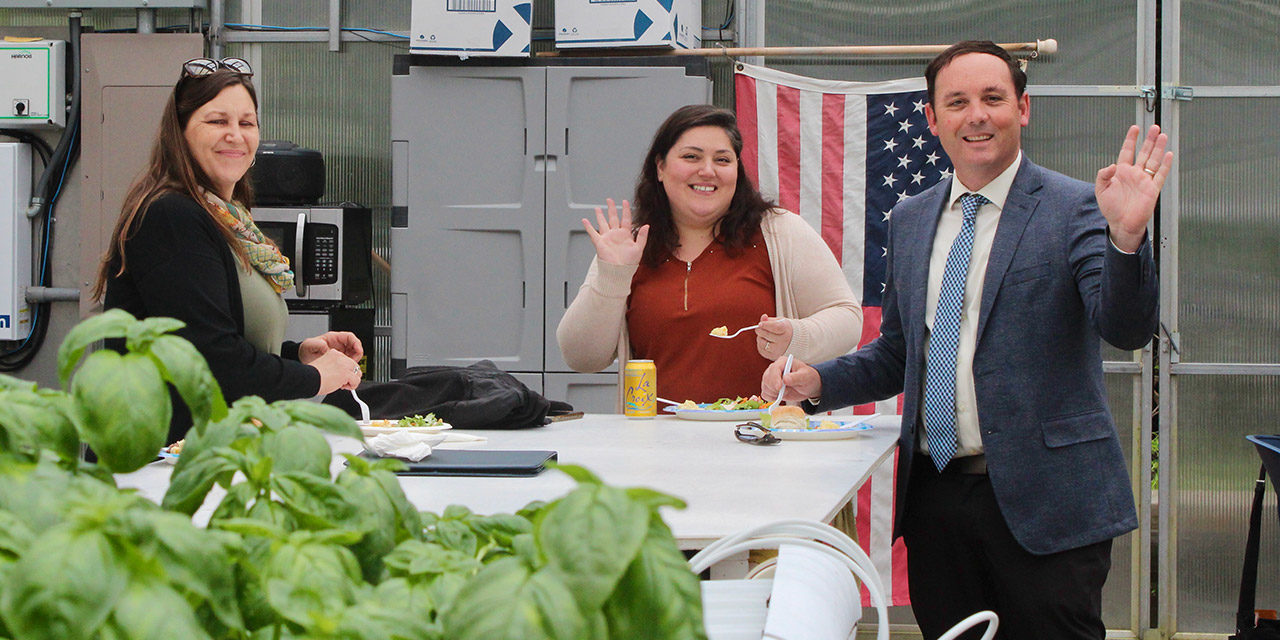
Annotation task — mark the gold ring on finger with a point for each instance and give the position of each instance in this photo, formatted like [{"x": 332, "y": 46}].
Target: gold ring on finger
[{"x": 1149, "y": 172}]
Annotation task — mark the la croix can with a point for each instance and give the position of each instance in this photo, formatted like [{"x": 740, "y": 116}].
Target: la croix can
[{"x": 640, "y": 379}]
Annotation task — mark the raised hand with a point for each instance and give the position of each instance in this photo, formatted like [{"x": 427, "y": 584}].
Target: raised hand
[
  {"x": 1127, "y": 190},
  {"x": 615, "y": 242}
]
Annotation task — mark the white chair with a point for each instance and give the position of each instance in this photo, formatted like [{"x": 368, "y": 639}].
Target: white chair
[{"x": 750, "y": 596}]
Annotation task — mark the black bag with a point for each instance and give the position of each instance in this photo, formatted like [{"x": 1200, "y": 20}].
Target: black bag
[
  {"x": 1247, "y": 628},
  {"x": 480, "y": 396}
]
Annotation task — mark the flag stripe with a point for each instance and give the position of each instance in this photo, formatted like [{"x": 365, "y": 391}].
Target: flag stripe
[
  {"x": 745, "y": 89},
  {"x": 788, "y": 151},
  {"x": 832, "y": 227}
]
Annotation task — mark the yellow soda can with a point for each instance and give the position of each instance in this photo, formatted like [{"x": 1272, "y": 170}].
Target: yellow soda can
[{"x": 641, "y": 381}]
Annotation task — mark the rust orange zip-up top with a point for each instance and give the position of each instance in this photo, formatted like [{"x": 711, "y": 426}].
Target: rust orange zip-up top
[{"x": 674, "y": 306}]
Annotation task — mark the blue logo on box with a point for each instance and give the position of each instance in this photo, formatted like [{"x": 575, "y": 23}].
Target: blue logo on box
[{"x": 4, "y": 322}]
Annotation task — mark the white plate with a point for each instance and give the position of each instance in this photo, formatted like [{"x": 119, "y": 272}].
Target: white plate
[
  {"x": 369, "y": 430},
  {"x": 849, "y": 427},
  {"x": 702, "y": 413}
]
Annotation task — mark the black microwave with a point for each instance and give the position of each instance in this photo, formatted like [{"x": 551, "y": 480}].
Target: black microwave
[{"x": 330, "y": 249}]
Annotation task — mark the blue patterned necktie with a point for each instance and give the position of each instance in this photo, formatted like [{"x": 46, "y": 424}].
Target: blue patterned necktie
[{"x": 944, "y": 341}]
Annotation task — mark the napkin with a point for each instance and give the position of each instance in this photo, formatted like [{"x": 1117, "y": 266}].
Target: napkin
[
  {"x": 416, "y": 446},
  {"x": 404, "y": 444}
]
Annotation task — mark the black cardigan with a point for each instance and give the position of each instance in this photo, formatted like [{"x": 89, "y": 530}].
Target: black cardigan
[{"x": 179, "y": 265}]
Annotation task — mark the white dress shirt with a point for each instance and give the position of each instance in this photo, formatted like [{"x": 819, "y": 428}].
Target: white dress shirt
[{"x": 968, "y": 437}]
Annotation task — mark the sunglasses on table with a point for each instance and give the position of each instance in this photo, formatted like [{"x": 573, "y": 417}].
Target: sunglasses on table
[
  {"x": 754, "y": 433},
  {"x": 202, "y": 67}
]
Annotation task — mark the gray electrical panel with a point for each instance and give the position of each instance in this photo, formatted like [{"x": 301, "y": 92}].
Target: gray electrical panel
[{"x": 494, "y": 166}]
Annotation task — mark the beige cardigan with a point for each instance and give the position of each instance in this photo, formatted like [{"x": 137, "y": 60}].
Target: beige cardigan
[{"x": 809, "y": 288}]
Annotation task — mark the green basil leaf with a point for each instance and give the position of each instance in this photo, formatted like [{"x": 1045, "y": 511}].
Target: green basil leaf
[
  {"x": 658, "y": 598},
  {"x": 113, "y": 323},
  {"x": 299, "y": 447},
  {"x": 322, "y": 416},
  {"x": 193, "y": 479},
  {"x": 456, "y": 535},
  {"x": 234, "y": 506},
  {"x": 421, "y": 562},
  {"x": 63, "y": 587},
  {"x": 502, "y": 528},
  {"x": 376, "y": 516},
  {"x": 151, "y": 610},
  {"x": 250, "y": 528},
  {"x": 580, "y": 474},
  {"x": 306, "y": 579},
  {"x": 15, "y": 536},
  {"x": 8, "y": 383},
  {"x": 17, "y": 435},
  {"x": 146, "y": 331},
  {"x": 316, "y": 503},
  {"x": 198, "y": 561},
  {"x": 592, "y": 535},
  {"x": 124, "y": 408},
  {"x": 654, "y": 499},
  {"x": 506, "y": 601},
  {"x": 185, "y": 368}
]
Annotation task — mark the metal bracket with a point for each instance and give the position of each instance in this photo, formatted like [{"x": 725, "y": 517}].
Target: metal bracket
[
  {"x": 1184, "y": 94},
  {"x": 1148, "y": 94}
]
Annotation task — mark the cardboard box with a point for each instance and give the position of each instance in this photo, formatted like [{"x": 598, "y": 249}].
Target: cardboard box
[
  {"x": 675, "y": 24},
  {"x": 466, "y": 28}
]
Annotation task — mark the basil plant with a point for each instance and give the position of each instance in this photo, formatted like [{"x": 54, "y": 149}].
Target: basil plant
[{"x": 290, "y": 549}]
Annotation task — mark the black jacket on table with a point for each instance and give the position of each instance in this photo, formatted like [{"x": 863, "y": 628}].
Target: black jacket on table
[{"x": 178, "y": 264}]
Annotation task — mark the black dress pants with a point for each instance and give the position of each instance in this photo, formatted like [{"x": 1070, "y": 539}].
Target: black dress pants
[{"x": 962, "y": 558}]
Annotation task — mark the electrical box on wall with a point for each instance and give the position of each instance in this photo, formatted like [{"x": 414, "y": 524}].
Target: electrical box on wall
[
  {"x": 15, "y": 240},
  {"x": 33, "y": 83}
]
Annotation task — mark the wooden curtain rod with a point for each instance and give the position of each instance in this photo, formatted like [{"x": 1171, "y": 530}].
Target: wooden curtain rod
[{"x": 1036, "y": 48}]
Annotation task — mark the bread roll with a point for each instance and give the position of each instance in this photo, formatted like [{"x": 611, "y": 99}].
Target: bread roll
[{"x": 788, "y": 417}]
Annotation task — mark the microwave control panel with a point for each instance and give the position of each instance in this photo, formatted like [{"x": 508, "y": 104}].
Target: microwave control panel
[{"x": 322, "y": 247}]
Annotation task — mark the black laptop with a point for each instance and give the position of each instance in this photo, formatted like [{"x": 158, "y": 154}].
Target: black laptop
[{"x": 477, "y": 462}]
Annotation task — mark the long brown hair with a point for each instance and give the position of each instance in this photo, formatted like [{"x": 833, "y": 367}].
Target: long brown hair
[
  {"x": 172, "y": 169},
  {"x": 746, "y": 208}
]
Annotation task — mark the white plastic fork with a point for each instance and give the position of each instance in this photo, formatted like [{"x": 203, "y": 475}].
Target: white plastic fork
[
  {"x": 364, "y": 408},
  {"x": 735, "y": 333},
  {"x": 786, "y": 368}
]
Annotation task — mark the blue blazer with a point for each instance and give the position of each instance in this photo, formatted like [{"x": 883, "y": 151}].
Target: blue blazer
[{"x": 1054, "y": 285}]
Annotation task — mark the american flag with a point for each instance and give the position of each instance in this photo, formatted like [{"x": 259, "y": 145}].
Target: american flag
[{"x": 842, "y": 154}]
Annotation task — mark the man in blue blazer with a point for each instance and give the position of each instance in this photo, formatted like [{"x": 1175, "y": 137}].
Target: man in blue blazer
[{"x": 1001, "y": 280}]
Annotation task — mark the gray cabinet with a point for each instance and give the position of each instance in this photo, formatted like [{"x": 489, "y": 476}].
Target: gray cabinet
[{"x": 494, "y": 166}]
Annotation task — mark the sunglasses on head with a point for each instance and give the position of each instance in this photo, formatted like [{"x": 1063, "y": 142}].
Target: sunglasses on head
[{"x": 202, "y": 67}]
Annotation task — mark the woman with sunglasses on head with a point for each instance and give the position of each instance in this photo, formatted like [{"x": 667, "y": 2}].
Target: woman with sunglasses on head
[
  {"x": 705, "y": 250},
  {"x": 186, "y": 247}
]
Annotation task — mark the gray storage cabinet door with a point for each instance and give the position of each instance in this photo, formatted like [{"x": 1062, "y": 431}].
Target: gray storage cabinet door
[
  {"x": 467, "y": 229},
  {"x": 600, "y": 121}
]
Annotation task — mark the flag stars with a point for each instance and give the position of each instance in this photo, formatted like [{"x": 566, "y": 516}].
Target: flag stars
[
  {"x": 918, "y": 142},
  {"x": 891, "y": 109},
  {"x": 904, "y": 126},
  {"x": 918, "y": 106},
  {"x": 917, "y": 178},
  {"x": 903, "y": 196},
  {"x": 946, "y": 173},
  {"x": 886, "y": 219},
  {"x": 932, "y": 157},
  {"x": 889, "y": 181},
  {"x": 904, "y": 161},
  {"x": 890, "y": 145}
]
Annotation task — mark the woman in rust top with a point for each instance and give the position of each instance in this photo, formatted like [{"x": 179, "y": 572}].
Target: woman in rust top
[{"x": 704, "y": 249}]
